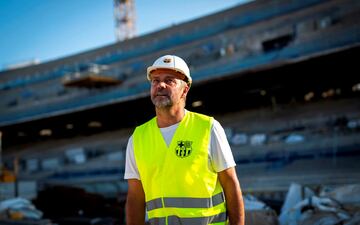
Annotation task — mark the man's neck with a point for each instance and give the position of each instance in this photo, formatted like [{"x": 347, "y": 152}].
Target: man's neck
[{"x": 169, "y": 116}]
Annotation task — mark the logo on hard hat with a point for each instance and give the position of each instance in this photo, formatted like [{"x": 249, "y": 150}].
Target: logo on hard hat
[
  {"x": 167, "y": 60},
  {"x": 183, "y": 148}
]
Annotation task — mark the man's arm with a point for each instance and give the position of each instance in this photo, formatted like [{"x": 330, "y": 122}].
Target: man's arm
[
  {"x": 135, "y": 203},
  {"x": 233, "y": 196}
]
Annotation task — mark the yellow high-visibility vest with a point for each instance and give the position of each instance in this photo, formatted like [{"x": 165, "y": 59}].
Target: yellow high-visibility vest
[{"x": 179, "y": 186}]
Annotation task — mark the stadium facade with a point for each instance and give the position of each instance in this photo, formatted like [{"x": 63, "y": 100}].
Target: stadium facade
[{"x": 281, "y": 76}]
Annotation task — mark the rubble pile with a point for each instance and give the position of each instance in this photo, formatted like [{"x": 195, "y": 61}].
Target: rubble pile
[
  {"x": 19, "y": 208},
  {"x": 258, "y": 213},
  {"x": 330, "y": 206}
]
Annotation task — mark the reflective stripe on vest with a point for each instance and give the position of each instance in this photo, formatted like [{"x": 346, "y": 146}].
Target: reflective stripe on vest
[
  {"x": 185, "y": 202},
  {"x": 175, "y": 220}
]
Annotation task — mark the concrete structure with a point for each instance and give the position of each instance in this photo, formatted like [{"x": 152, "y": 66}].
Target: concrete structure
[{"x": 280, "y": 75}]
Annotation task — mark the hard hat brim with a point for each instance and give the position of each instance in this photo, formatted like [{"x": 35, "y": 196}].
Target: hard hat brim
[{"x": 150, "y": 69}]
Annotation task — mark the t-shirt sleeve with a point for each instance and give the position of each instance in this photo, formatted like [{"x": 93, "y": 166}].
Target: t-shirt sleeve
[
  {"x": 131, "y": 170},
  {"x": 220, "y": 152}
]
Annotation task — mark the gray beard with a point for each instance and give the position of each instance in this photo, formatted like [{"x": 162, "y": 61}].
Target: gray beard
[{"x": 162, "y": 103}]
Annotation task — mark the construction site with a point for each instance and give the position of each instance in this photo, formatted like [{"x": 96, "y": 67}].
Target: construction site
[{"x": 280, "y": 76}]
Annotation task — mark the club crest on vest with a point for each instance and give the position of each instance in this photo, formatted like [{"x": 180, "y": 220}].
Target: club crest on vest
[{"x": 183, "y": 148}]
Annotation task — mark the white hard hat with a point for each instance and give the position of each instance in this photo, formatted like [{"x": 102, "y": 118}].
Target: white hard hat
[{"x": 171, "y": 62}]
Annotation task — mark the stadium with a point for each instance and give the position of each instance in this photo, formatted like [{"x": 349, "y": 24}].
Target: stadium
[{"x": 280, "y": 76}]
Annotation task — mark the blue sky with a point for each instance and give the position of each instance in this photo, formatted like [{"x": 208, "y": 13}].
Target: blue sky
[{"x": 51, "y": 29}]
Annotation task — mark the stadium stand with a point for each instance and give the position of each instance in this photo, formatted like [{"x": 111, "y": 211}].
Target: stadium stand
[{"x": 279, "y": 75}]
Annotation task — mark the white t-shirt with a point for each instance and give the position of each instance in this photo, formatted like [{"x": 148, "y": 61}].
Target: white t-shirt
[{"x": 220, "y": 155}]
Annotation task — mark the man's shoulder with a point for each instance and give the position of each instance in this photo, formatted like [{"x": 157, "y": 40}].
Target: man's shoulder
[
  {"x": 200, "y": 115},
  {"x": 142, "y": 127}
]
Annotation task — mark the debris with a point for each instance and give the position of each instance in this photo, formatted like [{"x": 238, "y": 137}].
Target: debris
[
  {"x": 19, "y": 208},
  {"x": 258, "y": 213},
  {"x": 303, "y": 207}
]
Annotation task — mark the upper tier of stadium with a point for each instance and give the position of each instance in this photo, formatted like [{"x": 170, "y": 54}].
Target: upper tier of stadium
[{"x": 250, "y": 37}]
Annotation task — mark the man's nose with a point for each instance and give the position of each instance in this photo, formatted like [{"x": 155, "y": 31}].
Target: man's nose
[{"x": 162, "y": 84}]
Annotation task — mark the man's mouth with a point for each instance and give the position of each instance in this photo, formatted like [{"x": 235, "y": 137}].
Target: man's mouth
[{"x": 162, "y": 94}]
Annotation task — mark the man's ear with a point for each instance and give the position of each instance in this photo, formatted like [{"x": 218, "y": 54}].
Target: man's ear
[{"x": 185, "y": 91}]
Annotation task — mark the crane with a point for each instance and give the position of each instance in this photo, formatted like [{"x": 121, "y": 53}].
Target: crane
[{"x": 124, "y": 13}]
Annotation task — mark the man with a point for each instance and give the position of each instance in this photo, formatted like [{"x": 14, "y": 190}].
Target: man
[{"x": 179, "y": 165}]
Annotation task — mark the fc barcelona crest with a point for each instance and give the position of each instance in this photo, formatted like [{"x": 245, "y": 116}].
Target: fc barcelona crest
[{"x": 183, "y": 148}]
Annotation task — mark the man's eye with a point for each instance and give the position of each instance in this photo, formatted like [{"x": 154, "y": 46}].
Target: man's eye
[{"x": 170, "y": 81}]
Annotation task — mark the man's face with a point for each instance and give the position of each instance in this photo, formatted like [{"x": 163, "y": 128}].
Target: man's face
[{"x": 167, "y": 88}]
